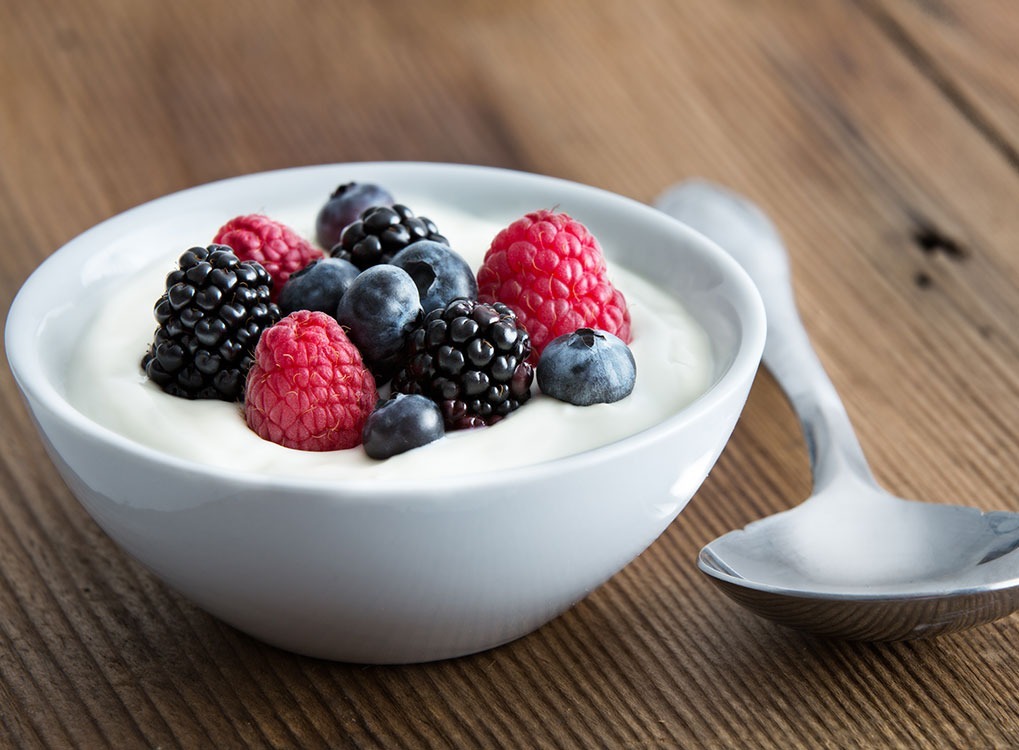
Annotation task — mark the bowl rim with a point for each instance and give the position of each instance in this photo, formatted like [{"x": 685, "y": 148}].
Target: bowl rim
[{"x": 29, "y": 373}]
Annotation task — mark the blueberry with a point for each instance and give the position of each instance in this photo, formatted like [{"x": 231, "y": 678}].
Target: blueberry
[
  {"x": 379, "y": 310},
  {"x": 586, "y": 367},
  {"x": 344, "y": 207},
  {"x": 318, "y": 286},
  {"x": 401, "y": 423},
  {"x": 441, "y": 274}
]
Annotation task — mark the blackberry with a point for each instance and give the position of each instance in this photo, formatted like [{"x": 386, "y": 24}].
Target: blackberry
[
  {"x": 382, "y": 232},
  {"x": 471, "y": 359},
  {"x": 210, "y": 317}
]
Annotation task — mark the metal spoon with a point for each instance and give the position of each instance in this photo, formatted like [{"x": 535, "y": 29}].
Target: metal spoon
[{"x": 852, "y": 561}]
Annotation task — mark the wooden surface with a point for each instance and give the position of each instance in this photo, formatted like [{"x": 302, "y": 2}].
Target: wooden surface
[{"x": 882, "y": 136}]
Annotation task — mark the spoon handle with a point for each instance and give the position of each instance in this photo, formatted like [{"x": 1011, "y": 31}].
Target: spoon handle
[{"x": 742, "y": 229}]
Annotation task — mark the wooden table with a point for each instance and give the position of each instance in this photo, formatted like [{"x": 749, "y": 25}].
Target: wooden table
[{"x": 882, "y": 136}]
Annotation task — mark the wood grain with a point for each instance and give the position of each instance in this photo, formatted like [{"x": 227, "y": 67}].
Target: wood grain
[{"x": 880, "y": 135}]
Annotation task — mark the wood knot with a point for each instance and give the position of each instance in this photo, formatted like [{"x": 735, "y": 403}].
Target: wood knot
[{"x": 931, "y": 240}]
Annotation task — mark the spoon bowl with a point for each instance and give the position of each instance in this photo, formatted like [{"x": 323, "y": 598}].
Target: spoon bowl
[{"x": 852, "y": 561}]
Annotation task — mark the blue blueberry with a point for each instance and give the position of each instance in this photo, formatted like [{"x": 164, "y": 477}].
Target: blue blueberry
[
  {"x": 318, "y": 286},
  {"x": 586, "y": 367},
  {"x": 400, "y": 424},
  {"x": 441, "y": 274},
  {"x": 344, "y": 207},
  {"x": 379, "y": 309}
]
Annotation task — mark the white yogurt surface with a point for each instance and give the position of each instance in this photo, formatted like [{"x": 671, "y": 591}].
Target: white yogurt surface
[{"x": 107, "y": 384}]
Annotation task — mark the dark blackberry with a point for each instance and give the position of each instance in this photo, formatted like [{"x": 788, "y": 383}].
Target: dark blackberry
[
  {"x": 382, "y": 232},
  {"x": 210, "y": 317},
  {"x": 471, "y": 359}
]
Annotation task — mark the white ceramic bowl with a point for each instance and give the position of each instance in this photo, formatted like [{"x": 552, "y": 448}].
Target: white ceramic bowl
[{"x": 389, "y": 571}]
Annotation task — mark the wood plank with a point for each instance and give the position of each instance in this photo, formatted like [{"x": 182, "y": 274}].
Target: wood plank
[{"x": 968, "y": 51}]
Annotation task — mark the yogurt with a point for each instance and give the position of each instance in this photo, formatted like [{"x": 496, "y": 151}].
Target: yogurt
[{"x": 106, "y": 383}]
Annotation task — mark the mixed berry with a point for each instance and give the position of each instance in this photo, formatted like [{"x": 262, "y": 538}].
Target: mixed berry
[
  {"x": 470, "y": 358},
  {"x": 308, "y": 387},
  {"x": 381, "y": 232},
  {"x": 379, "y": 310},
  {"x": 344, "y": 207},
  {"x": 278, "y": 248},
  {"x": 318, "y": 286},
  {"x": 550, "y": 269},
  {"x": 381, "y": 334},
  {"x": 210, "y": 318},
  {"x": 401, "y": 423},
  {"x": 587, "y": 367},
  {"x": 441, "y": 275}
]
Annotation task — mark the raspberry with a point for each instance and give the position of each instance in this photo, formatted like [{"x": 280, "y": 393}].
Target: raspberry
[
  {"x": 309, "y": 388},
  {"x": 276, "y": 246},
  {"x": 550, "y": 270}
]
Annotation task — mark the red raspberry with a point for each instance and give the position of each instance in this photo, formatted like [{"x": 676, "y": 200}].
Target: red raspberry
[
  {"x": 276, "y": 246},
  {"x": 550, "y": 270},
  {"x": 309, "y": 388}
]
